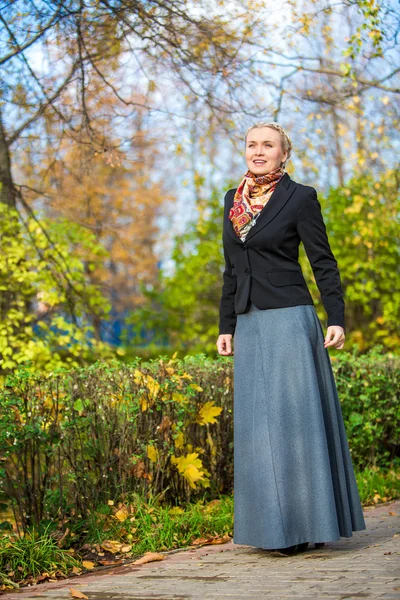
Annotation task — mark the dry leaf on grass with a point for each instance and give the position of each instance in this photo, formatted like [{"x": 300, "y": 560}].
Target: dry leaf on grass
[
  {"x": 88, "y": 564},
  {"x": 122, "y": 514},
  {"x": 149, "y": 557},
  {"x": 111, "y": 546},
  {"x": 77, "y": 594}
]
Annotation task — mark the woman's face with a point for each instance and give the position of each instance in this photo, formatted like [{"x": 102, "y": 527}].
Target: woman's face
[{"x": 264, "y": 150}]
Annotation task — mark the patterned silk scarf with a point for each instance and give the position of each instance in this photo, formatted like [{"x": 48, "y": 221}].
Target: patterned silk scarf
[{"x": 250, "y": 198}]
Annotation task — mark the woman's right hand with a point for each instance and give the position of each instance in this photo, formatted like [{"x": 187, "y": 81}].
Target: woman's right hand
[{"x": 224, "y": 344}]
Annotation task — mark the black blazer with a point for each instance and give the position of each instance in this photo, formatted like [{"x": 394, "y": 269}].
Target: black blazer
[{"x": 265, "y": 268}]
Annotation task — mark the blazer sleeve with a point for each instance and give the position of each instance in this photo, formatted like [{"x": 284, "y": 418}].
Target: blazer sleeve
[
  {"x": 227, "y": 315},
  {"x": 312, "y": 231}
]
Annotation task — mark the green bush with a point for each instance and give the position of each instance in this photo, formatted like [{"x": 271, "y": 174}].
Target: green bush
[
  {"x": 73, "y": 440},
  {"x": 368, "y": 387}
]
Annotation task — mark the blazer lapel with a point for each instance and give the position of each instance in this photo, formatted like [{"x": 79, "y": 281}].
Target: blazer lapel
[{"x": 280, "y": 196}]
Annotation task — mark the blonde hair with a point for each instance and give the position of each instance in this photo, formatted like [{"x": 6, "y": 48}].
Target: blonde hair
[{"x": 286, "y": 142}]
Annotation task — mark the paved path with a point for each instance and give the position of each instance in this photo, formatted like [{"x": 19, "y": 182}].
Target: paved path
[{"x": 366, "y": 565}]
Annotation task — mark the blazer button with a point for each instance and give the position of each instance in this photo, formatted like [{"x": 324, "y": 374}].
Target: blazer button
[
  {"x": 247, "y": 270},
  {"x": 244, "y": 247}
]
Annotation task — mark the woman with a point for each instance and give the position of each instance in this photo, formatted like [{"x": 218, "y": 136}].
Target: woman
[{"x": 294, "y": 481}]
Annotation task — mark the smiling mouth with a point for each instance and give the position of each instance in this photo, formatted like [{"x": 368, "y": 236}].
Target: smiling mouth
[{"x": 260, "y": 162}]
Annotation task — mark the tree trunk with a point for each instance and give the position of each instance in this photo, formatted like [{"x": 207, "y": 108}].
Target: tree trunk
[{"x": 7, "y": 190}]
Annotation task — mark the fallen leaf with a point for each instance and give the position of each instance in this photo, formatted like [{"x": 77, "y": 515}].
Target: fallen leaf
[
  {"x": 149, "y": 557},
  {"x": 122, "y": 514},
  {"x": 126, "y": 548},
  {"x": 221, "y": 540},
  {"x": 387, "y": 553},
  {"x": 111, "y": 546},
  {"x": 42, "y": 577},
  {"x": 88, "y": 564},
  {"x": 392, "y": 513},
  {"x": 211, "y": 540},
  {"x": 76, "y": 570},
  {"x": 199, "y": 541},
  {"x": 77, "y": 594}
]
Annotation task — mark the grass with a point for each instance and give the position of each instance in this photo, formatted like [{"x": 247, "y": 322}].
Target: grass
[
  {"x": 151, "y": 526},
  {"x": 32, "y": 556},
  {"x": 378, "y": 485}
]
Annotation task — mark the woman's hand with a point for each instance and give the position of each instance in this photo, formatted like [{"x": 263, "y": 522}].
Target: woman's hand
[
  {"x": 335, "y": 337},
  {"x": 224, "y": 344}
]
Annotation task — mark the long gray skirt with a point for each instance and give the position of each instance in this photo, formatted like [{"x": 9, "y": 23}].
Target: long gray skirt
[{"x": 293, "y": 475}]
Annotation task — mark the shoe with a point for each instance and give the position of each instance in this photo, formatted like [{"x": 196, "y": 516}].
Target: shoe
[
  {"x": 302, "y": 547},
  {"x": 319, "y": 544}
]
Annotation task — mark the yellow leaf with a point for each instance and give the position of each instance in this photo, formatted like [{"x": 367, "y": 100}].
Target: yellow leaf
[
  {"x": 176, "y": 510},
  {"x": 111, "y": 546},
  {"x": 191, "y": 467},
  {"x": 126, "y": 548},
  {"x": 153, "y": 386},
  {"x": 192, "y": 474},
  {"x": 122, "y": 514},
  {"x": 196, "y": 387},
  {"x": 88, "y": 564},
  {"x": 143, "y": 403},
  {"x": 137, "y": 376},
  {"x": 186, "y": 376},
  {"x": 77, "y": 594},
  {"x": 179, "y": 440},
  {"x": 152, "y": 453},
  {"x": 208, "y": 412},
  {"x": 176, "y": 397}
]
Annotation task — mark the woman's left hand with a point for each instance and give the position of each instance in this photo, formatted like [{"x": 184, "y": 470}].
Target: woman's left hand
[{"x": 335, "y": 337}]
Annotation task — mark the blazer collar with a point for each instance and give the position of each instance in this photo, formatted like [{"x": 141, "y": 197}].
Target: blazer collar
[{"x": 280, "y": 196}]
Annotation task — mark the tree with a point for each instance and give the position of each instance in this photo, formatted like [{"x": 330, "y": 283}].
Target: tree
[
  {"x": 81, "y": 47},
  {"x": 362, "y": 219},
  {"x": 44, "y": 322}
]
